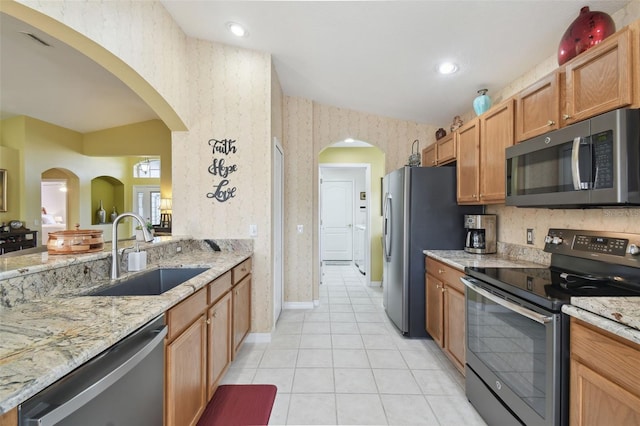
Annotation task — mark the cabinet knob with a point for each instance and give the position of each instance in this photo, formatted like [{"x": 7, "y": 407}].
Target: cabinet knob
[
  {"x": 566, "y": 116},
  {"x": 550, "y": 123},
  {"x": 208, "y": 321},
  {"x": 440, "y": 271}
]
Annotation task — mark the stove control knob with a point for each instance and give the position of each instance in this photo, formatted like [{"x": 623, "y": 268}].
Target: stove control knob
[
  {"x": 634, "y": 250},
  {"x": 548, "y": 239},
  {"x": 556, "y": 240}
]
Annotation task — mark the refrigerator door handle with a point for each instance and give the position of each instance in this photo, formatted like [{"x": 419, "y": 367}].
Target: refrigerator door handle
[{"x": 387, "y": 227}]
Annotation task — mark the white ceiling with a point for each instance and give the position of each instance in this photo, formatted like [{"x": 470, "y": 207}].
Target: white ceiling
[{"x": 371, "y": 56}]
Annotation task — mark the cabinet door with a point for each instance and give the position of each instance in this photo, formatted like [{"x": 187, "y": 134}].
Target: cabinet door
[
  {"x": 434, "y": 305},
  {"x": 496, "y": 135},
  {"x": 219, "y": 322},
  {"x": 604, "y": 379},
  {"x": 596, "y": 400},
  {"x": 468, "y": 166},
  {"x": 538, "y": 108},
  {"x": 454, "y": 326},
  {"x": 600, "y": 79},
  {"x": 446, "y": 149},
  {"x": 429, "y": 156},
  {"x": 10, "y": 418},
  {"x": 185, "y": 384},
  {"x": 241, "y": 312}
]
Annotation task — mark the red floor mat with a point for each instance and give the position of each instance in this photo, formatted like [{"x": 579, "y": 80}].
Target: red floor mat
[{"x": 236, "y": 405}]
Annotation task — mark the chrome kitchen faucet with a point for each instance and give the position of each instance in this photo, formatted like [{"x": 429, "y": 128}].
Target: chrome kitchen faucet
[{"x": 115, "y": 259}]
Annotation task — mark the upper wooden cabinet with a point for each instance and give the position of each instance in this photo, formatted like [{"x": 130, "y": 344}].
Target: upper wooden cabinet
[
  {"x": 468, "y": 165},
  {"x": 496, "y": 134},
  {"x": 538, "y": 108},
  {"x": 429, "y": 156},
  {"x": 481, "y": 155},
  {"x": 440, "y": 153},
  {"x": 600, "y": 79}
]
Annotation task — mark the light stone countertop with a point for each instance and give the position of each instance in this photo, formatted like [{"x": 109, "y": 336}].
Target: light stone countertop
[
  {"x": 617, "y": 315},
  {"x": 43, "y": 340},
  {"x": 460, "y": 259}
]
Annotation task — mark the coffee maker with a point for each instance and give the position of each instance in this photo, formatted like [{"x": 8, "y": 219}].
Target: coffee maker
[{"x": 481, "y": 233}]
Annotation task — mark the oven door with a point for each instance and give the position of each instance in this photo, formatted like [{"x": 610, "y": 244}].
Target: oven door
[{"x": 515, "y": 350}]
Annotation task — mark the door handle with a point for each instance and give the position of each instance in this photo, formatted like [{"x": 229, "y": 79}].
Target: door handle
[{"x": 575, "y": 164}]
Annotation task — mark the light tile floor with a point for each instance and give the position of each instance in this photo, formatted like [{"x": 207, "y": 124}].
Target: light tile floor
[{"x": 345, "y": 363}]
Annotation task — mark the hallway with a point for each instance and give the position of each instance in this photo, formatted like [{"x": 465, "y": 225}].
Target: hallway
[{"x": 344, "y": 363}]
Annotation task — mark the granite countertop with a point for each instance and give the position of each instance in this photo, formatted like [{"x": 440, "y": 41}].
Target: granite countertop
[
  {"x": 43, "y": 340},
  {"x": 617, "y": 315},
  {"x": 460, "y": 259}
]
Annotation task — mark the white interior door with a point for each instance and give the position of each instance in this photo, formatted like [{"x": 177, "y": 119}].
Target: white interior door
[
  {"x": 278, "y": 232},
  {"x": 337, "y": 220},
  {"x": 146, "y": 202}
]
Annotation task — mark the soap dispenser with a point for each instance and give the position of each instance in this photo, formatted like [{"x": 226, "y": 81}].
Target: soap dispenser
[{"x": 137, "y": 260}]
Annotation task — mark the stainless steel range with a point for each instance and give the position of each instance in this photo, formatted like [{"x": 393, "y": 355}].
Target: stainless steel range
[{"x": 517, "y": 369}]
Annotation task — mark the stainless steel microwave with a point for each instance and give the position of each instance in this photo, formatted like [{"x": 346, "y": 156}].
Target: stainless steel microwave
[{"x": 593, "y": 163}]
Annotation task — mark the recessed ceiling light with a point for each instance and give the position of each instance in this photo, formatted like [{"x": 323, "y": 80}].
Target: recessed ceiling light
[
  {"x": 237, "y": 29},
  {"x": 447, "y": 68}
]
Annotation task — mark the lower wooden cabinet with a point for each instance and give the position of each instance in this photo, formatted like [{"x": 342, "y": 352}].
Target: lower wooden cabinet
[
  {"x": 185, "y": 375},
  {"x": 605, "y": 380},
  {"x": 10, "y": 418},
  {"x": 241, "y": 312},
  {"x": 445, "y": 306},
  {"x": 219, "y": 326},
  {"x": 205, "y": 331}
]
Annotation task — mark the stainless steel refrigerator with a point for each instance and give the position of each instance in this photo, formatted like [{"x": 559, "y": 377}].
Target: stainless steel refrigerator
[{"x": 419, "y": 212}]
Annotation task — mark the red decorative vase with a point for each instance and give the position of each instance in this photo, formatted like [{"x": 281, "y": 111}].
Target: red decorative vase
[{"x": 587, "y": 30}]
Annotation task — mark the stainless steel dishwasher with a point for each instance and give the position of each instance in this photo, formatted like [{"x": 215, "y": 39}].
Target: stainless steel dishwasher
[{"x": 123, "y": 386}]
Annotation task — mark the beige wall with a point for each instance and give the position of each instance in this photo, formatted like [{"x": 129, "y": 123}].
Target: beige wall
[
  {"x": 376, "y": 159},
  {"x": 230, "y": 92}
]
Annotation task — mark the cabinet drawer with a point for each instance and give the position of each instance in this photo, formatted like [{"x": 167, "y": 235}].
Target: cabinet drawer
[
  {"x": 241, "y": 271},
  {"x": 180, "y": 316},
  {"x": 608, "y": 354},
  {"x": 445, "y": 273},
  {"x": 219, "y": 287}
]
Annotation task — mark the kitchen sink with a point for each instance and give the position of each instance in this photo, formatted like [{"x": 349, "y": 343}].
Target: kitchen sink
[{"x": 151, "y": 283}]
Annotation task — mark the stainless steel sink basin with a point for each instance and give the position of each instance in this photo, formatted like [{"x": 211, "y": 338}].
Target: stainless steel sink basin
[{"x": 151, "y": 283}]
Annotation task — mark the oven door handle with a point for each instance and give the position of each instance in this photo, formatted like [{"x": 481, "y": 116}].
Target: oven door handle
[
  {"x": 542, "y": 319},
  {"x": 575, "y": 164}
]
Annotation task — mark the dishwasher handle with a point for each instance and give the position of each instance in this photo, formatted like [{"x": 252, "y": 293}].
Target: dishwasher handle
[
  {"x": 521, "y": 310},
  {"x": 46, "y": 416}
]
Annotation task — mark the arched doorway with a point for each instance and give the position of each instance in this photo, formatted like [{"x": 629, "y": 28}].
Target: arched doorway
[
  {"x": 60, "y": 200},
  {"x": 361, "y": 166}
]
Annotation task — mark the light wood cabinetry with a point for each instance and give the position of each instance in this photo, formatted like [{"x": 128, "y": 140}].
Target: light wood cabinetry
[
  {"x": 468, "y": 165},
  {"x": 241, "y": 312},
  {"x": 481, "y": 155},
  {"x": 205, "y": 332},
  {"x": 605, "y": 380},
  {"x": 440, "y": 153},
  {"x": 445, "y": 319},
  {"x": 219, "y": 329},
  {"x": 10, "y": 418},
  {"x": 429, "y": 156},
  {"x": 600, "y": 79},
  {"x": 538, "y": 108},
  {"x": 496, "y": 134},
  {"x": 185, "y": 361}
]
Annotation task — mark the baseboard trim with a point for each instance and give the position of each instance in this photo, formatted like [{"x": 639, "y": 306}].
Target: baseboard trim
[
  {"x": 375, "y": 284},
  {"x": 298, "y": 305},
  {"x": 258, "y": 338}
]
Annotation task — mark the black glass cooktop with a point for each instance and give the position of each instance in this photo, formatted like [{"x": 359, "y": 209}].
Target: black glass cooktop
[{"x": 551, "y": 288}]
